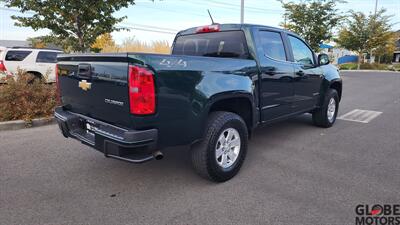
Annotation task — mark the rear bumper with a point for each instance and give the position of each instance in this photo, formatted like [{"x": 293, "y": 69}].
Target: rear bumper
[{"x": 135, "y": 146}]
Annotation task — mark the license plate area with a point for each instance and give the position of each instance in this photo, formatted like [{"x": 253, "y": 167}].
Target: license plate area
[
  {"x": 83, "y": 131},
  {"x": 89, "y": 126},
  {"x": 94, "y": 132}
]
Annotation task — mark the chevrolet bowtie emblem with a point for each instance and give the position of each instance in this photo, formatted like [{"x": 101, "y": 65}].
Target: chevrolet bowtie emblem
[{"x": 85, "y": 85}]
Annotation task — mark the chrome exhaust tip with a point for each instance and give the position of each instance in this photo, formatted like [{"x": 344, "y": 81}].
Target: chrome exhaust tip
[{"x": 158, "y": 155}]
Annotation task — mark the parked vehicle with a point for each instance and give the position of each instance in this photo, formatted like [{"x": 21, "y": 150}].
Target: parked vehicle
[
  {"x": 39, "y": 62},
  {"x": 220, "y": 83},
  {"x": 3, "y": 72}
]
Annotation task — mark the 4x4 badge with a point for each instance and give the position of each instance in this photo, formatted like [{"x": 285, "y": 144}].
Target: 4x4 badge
[{"x": 85, "y": 85}]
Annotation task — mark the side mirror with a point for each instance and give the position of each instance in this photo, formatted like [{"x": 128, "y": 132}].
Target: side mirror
[{"x": 323, "y": 59}]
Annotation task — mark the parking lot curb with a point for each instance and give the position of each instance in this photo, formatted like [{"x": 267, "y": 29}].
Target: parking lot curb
[
  {"x": 21, "y": 124},
  {"x": 377, "y": 71}
]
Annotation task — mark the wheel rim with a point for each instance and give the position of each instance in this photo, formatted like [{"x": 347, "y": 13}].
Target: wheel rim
[
  {"x": 227, "y": 148},
  {"x": 331, "y": 110}
]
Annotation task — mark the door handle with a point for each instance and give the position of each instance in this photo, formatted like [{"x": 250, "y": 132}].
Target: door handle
[
  {"x": 271, "y": 73},
  {"x": 84, "y": 70}
]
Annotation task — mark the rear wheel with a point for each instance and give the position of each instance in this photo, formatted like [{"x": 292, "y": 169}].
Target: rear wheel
[
  {"x": 222, "y": 152},
  {"x": 326, "y": 115}
]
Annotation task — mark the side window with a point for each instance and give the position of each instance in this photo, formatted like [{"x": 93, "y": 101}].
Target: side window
[
  {"x": 47, "y": 57},
  {"x": 301, "y": 53},
  {"x": 273, "y": 45},
  {"x": 17, "y": 55}
]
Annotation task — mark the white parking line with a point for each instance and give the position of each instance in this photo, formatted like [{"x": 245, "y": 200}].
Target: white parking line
[{"x": 361, "y": 116}]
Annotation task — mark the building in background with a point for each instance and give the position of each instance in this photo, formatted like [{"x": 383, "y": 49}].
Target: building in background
[
  {"x": 396, "y": 54},
  {"x": 338, "y": 55},
  {"x": 14, "y": 43},
  {"x": 25, "y": 44}
]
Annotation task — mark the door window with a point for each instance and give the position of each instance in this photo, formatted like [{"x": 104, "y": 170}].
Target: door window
[
  {"x": 301, "y": 52},
  {"x": 273, "y": 45},
  {"x": 47, "y": 57}
]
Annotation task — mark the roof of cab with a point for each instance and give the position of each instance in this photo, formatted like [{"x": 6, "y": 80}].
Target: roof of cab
[{"x": 227, "y": 27}]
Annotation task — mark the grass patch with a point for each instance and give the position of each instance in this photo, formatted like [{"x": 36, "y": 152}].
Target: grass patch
[
  {"x": 370, "y": 66},
  {"x": 395, "y": 67},
  {"x": 348, "y": 66}
]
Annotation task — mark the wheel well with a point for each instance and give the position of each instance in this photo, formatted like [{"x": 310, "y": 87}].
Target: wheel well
[
  {"x": 36, "y": 74},
  {"x": 338, "y": 87},
  {"x": 241, "y": 106}
]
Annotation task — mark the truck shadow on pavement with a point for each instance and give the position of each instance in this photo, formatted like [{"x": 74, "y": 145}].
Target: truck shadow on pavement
[{"x": 176, "y": 165}]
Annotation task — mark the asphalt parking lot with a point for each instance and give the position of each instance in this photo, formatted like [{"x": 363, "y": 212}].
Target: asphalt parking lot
[{"x": 294, "y": 173}]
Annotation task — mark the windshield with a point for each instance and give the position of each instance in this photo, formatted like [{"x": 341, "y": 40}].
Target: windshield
[{"x": 227, "y": 44}]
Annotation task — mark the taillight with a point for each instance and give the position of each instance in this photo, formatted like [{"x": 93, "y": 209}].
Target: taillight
[
  {"x": 2, "y": 66},
  {"x": 58, "y": 86},
  {"x": 142, "y": 96},
  {"x": 208, "y": 29}
]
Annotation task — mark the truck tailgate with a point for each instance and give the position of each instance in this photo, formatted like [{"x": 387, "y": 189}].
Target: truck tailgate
[{"x": 96, "y": 87}]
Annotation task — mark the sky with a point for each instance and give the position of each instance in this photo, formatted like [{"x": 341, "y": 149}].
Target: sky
[{"x": 161, "y": 19}]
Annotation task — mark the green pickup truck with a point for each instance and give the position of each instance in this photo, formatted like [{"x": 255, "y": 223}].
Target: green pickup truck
[{"x": 220, "y": 82}]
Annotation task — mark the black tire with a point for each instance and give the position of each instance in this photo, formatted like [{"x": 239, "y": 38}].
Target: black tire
[
  {"x": 320, "y": 116},
  {"x": 203, "y": 154}
]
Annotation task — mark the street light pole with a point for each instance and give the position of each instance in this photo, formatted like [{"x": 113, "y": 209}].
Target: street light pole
[
  {"x": 242, "y": 12},
  {"x": 376, "y": 6}
]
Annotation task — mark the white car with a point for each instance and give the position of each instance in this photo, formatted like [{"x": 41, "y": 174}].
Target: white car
[
  {"x": 3, "y": 72},
  {"x": 39, "y": 62}
]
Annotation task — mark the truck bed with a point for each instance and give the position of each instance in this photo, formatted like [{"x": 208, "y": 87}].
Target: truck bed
[{"x": 183, "y": 86}]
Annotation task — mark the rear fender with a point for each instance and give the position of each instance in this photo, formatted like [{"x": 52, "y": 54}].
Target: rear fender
[{"x": 230, "y": 95}]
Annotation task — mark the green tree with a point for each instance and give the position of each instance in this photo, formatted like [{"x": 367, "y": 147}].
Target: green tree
[
  {"x": 74, "y": 24},
  {"x": 363, "y": 33},
  {"x": 386, "y": 48},
  {"x": 314, "y": 20}
]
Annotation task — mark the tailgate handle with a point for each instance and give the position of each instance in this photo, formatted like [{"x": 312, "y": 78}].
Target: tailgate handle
[{"x": 84, "y": 70}]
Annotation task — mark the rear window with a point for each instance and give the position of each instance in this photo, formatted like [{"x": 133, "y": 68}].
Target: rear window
[
  {"x": 47, "y": 57},
  {"x": 17, "y": 55},
  {"x": 227, "y": 44}
]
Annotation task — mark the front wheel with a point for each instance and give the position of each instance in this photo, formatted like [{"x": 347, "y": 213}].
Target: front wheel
[
  {"x": 326, "y": 115},
  {"x": 222, "y": 152}
]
